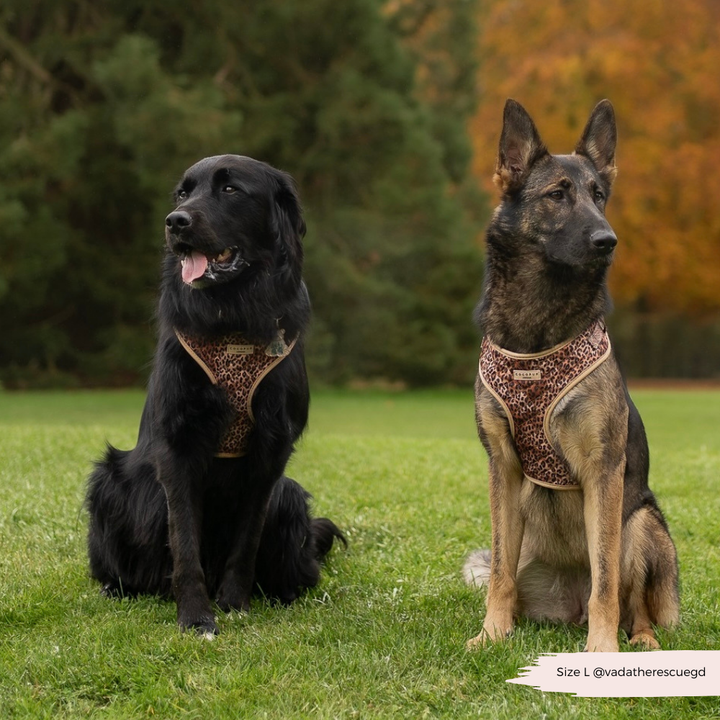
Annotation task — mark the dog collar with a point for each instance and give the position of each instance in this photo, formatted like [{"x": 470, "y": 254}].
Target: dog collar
[
  {"x": 238, "y": 367},
  {"x": 529, "y": 387}
]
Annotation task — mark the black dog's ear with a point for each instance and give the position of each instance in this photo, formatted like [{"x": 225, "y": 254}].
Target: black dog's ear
[
  {"x": 287, "y": 223},
  {"x": 599, "y": 139},
  {"x": 520, "y": 147}
]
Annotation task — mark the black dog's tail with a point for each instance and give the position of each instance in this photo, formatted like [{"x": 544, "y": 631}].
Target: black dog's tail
[
  {"x": 325, "y": 532},
  {"x": 293, "y": 544}
]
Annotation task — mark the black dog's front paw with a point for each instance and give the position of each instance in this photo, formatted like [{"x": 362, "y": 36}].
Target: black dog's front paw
[
  {"x": 204, "y": 626},
  {"x": 197, "y": 616},
  {"x": 232, "y": 596},
  {"x": 228, "y": 602}
]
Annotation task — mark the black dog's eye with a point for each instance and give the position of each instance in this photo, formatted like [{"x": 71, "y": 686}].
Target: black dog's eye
[
  {"x": 599, "y": 196},
  {"x": 229, "y": 189},
  {"x": 181, "y": 195}
]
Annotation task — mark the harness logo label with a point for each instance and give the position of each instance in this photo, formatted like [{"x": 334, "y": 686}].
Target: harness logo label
[
  {"x": 240, "y": 349},
  {"x": 527, "y": 374}
]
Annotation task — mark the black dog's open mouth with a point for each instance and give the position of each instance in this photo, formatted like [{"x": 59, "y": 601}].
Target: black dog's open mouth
[{"x": 200, "y": 270}]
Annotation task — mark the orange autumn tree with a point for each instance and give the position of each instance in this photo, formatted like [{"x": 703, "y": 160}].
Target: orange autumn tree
[{"x": 658, "y": 62}]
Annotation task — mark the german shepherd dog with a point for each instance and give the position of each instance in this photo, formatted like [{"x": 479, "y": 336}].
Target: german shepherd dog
[
  {"x": 200, "y": 510},
  {"x": 597, "y": 547}
]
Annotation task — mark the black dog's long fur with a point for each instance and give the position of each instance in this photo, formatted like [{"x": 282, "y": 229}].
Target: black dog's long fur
[{"x": 168, "y": 517}]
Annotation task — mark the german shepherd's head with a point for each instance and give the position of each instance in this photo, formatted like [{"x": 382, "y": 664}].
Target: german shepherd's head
[
  {"x": 555, "y": 204},
  {"x": 549, "y": 244}
]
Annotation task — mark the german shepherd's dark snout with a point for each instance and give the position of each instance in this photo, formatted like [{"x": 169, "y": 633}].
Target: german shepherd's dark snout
[{"x": 577, "y": 535}]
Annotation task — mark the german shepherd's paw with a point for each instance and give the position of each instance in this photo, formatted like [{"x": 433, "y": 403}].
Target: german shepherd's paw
[
  {"x": 494, "y": 630},
  {"x": 602, "y": 643},
  {"x": 645, "y": 640}
]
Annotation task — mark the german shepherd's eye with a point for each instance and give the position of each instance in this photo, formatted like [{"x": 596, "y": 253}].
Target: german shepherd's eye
[
  {"x": 557, "y": 194},
  {"x": 599, "y": 196}
]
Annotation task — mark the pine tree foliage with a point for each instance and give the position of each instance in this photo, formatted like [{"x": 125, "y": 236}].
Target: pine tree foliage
[{"x": 103, "y": 105}]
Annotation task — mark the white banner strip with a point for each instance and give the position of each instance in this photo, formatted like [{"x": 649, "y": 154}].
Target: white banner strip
[{"x": 672, "y": 673}]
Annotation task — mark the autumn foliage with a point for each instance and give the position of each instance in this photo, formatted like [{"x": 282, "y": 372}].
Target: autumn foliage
[
  {"x": 388, "y": 114},
  {"x": 659, "y": 63}
]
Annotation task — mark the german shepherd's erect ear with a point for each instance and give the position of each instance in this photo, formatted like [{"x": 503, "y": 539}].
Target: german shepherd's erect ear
[
  {"x": 599, "y": 139},
  {"x": 520, "y": 147}
]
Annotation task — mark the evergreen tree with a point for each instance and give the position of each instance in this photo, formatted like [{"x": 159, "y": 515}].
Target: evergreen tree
[{"x": 103, "y": 105}]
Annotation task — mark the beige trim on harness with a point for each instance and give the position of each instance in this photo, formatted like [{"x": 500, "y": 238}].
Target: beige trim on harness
[
  {"x": 529, "y": 356},
  {"x": 497, "y": 397},
  {"x": 568, "y": 388}
]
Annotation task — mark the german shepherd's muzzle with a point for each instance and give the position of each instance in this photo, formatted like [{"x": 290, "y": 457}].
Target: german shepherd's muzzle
[{"x": 577, "y": 535}]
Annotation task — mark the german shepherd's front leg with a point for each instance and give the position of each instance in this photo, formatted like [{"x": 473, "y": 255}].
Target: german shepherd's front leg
[
  {"x": 507, "y": 535},
  {"x": 506, "y": 478},
  {"x": 602, "y": 504}
]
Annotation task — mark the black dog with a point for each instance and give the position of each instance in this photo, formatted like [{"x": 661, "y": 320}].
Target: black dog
[{"x": 200, "y": 509}]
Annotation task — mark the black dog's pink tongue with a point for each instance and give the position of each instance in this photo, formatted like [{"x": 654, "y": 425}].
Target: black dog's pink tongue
[{"x": 193, "y": 266}]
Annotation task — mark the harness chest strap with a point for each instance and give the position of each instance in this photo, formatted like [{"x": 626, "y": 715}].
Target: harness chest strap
[
  {"x": 529, "y": 387},
  {"x": 238, "y": 367}
]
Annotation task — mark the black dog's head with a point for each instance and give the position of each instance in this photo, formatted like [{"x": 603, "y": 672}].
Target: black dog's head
[
  {"x": 555, "y": 204},
  {"x": 235, "y": 217}
]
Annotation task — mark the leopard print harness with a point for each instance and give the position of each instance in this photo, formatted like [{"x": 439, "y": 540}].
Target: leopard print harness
[
  {"x": 529, "y": 387},
  {"x": 237, "y": 367}
]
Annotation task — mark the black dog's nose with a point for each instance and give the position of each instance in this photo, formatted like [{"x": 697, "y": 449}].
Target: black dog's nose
[
  {"x": 177, "y": 221},
  {"x": 604, "y": 241}
]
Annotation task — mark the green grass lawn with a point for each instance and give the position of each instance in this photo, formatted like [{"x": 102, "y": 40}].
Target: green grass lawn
[{"x": 383, "y": 636}]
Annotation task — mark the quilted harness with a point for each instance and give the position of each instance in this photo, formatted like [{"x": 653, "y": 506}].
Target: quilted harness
[
  {"x": 529, "y": 387},
  {"x": 237, "y": 367}
]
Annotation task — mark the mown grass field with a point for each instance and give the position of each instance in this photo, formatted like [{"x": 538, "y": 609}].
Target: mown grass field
[{"x": 384, "y": 634}]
